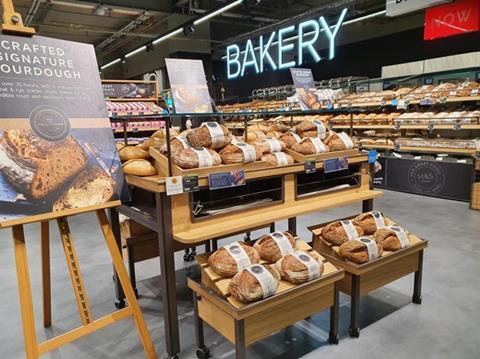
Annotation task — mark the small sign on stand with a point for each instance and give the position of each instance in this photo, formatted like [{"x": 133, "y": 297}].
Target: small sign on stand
[
  {"x": 335, "y": 164},
  {"x": 226, "y": 179}
]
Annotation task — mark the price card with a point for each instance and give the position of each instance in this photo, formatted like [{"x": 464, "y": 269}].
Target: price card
[
  {"x": 190, "y": 183},
  {"x": 335, "y": 164},
  {"x": 402, "y": 104},
  {"x": 174, "y": 185},
  {"x": 394, "y": 102},
  {"x": 372, "y": 156},
  {"x": 310, "y": 166},
  {"x": 426, "y": 102},
  {"x": 226, "y": 179},
  {"x": 474, "y": 92}
]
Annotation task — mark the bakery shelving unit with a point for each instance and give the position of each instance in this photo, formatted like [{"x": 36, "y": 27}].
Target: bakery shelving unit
[{"x": 288, "y": 193}]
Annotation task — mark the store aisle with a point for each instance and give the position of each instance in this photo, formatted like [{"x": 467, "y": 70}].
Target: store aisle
[{"x": 444, "y": 326}]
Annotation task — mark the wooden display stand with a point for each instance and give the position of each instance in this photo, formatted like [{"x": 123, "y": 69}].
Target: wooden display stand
[
  {"x": 361, "y": 279},
  {"x": 475, "y": 198},
  {"x": 13, "y": 24},
  {"x": 244, "y": 324}
]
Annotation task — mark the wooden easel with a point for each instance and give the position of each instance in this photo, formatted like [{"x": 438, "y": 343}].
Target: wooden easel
[{"x": 13, "y": 24}]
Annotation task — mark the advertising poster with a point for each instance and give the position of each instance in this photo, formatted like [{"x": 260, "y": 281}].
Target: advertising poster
[
  {"x": 128, "y": 90},
  {"x": 189, "y": 86},
  {"x": 305, "y": 89},
  {"x": 56, "y": 145}
]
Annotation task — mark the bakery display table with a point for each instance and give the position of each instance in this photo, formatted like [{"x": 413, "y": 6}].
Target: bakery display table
[
  {"x": 244, "y": 325},
  {"x": 291, "y": 191},
  {"x": 361, "y": 279}
]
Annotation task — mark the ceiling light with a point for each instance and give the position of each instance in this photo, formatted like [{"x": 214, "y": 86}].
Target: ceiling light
[
  {"x": 217, "y": 12},
  {"x": 100, "y": 10},
  {"x": 116, "y": 61},
  {"x": 134, "y": 52}
]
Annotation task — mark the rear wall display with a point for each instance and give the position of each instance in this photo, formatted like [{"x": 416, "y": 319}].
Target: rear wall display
[{"x": 56, "y": 145}]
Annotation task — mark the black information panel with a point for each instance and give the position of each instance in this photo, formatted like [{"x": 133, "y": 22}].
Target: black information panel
[
  {"x": 431, "y": 178},
  {"x": 128, "y": 90},
  {"x": 380, "y": 179}
]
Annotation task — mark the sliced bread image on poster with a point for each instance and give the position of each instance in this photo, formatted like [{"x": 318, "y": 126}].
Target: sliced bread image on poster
[{"x": 57, "y": 151}]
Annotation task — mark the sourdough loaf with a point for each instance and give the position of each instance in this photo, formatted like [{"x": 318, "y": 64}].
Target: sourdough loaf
[
  {"x": 370, "y": 222},
  {"x": 278, "y": 159},
  {"x": 241, "y": 153},
  {"x": 273, "y": 246},
  {"x": 254, "y": 283},
  {"x": 361, "y": 250},
  {"x": 339, "y": 142},
  {"x": 300, "y": 267},
  {"x": 310, "y": 146},
  {"x": 196, "y": 158},
  {"x": 211, "y": 135},
  {"x": 339, "y": 232},
  {"x": 227, "y": 260},
  {"x": 392, "y": 238}
]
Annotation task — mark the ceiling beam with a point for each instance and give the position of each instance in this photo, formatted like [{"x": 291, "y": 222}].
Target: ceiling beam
[{"x": 154, "y": 5}]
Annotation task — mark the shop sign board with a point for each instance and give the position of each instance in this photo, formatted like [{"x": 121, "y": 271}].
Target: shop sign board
[
  {"x": 128, "y": 89},
  {"x": 294, "y": 42},
  {"x": 57, "y": 151},
  {"x": 402, "y": 7},
  {"x": 189, "y": 86},
  {"x": 305, "y": 88},
  {"x": 461, "y": 17}
]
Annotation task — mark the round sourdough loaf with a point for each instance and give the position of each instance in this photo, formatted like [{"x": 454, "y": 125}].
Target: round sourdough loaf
[
  {"x": 294, "y": 269},
  {"x": 232, "y": 154},
  {"x": 201, "y": 136},
  {"x": 335, "y": 233},
  {"x": 278, "y": 159},
  {"x": 368, "y": 222},
  {"x": 273, "y": 246},
  {"x": 290, "y": 139},
  {"x": 389, "y": 240},
  {"x": 307, "y": 147},
  {"x": 335, "y": 142},
  {"x": 222, "y": 262},
  {"x": 357, "y": 252},
  {"x": 188, "y": 158},
  {"x": 246, "y": 288}
]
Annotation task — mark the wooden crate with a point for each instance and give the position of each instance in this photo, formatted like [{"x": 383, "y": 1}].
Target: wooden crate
[
  {"x": 220, "y": 285},
  {"x": 475, "y": 198},
  {"x": 298, "y": 157}
]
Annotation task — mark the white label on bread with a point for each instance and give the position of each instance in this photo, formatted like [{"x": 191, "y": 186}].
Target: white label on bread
[
  {"x": 239, "y": 255},
  {"x": 204, "y": 157},
  {"x": 349, "y": 229},
  {"x": 249, "y": 153},
  {"x": 312, "y": 265},
  {"x": 475, "y": 92},
  {"x": 378, "y": 218},
  {"x": 183, "y": 141},
  {"x": 216, "y": 132},
  {"x": 318, "y": 144},
  {"x": 282, "y": 242},
  {"x": 401, "y": 235},
  {"x": 347, "y": 141},
  {"x": 321, "y": 130},
  {"x": 266, "y": 280},
  {"x": 372, "y": 248},
  {"x": 282, "y": 159},
  {"x": 296, "y": 136},
  {"x": 274, "y": 144}
]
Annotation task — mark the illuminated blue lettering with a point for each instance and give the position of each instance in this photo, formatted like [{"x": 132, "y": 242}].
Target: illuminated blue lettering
[
  {"x": 284, "y": 48},
  {"x": 264, "y": 54},
  {"x": 308, "y": 44},
  {"x": 233, "y": 60},
  {"x": 249, "y": 52},
  {"x": 331, "y": 35}
]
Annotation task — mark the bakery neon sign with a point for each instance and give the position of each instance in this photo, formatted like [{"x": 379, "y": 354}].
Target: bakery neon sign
[{"x": 294, "y": 39}]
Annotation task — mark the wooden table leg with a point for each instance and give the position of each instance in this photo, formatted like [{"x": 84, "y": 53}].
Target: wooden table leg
[
  {"x": 240, "y": 346},
  {"x": 25, "y": 293},
  {"x": 115, "y": 223},
  {"x": 417, "y": 287},
  {"x": 46, "y": 279},
  {"x": 333, "y": 335},
  {"x": 292, "y": 225},
  {"x": 354, "y": 329},
  {"x": 167, "y": 270},
  {"x": 119, "y": 266},
  {"x": 201, "y": 351}
]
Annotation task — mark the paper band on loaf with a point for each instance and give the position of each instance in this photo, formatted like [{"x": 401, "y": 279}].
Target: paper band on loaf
[
  {"x": 239, "y": 255},
  {"x": 349, "y": 229},
  {"x": 264, "y": 278},
  {"x": 183, "y": 141},
  {"x": 319, "y": 146},
  {"x": 282, "y": 159},
  {"x": 371, "y": 247},
  {"x": 216, "y": 132},
  {"x": 204, "y": 157},
  {"x": 401, "y": 235},
  {"x": 378, "y": 218},
  {"x": 248, "y": 151},
  {"x": 274, "y": 144},
  {"x": 296, "y": 136},
  {"x": 347, "y": 141},
  {"x": 312, "y": 265},
  {"x": 282, "y": 242},
  {"x": 321, "y": 130}
]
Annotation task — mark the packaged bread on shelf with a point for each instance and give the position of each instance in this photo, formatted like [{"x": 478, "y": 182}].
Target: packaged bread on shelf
[
  {"x": 273, "y": 246},
  {"x": 177, "y": 144},
  {"x": 132, "y": 153},
  {"x": 290, "y": 138},
  {"x": 310, "y": 146},
  {"x": 313, "y": 128},
  {"x": 241, "y": 153},
  {"x": 277, "y": 159},
  {"x": 232, "y": 259},
  {"x": 392, "y": 238},
  {"x": 254, "y": 283},
  {"x": 339, "y": 142},
  {"x": 196, "y": 157},
  {"x": 361, "y": 250},
  {"x": 339, "y": 232},
  {"x": 211, "y": 135},
  {"x": 299, "y": 267},
  {"x": 271, "y": 145},
  {"x": 370, "y": 222},
  {"x": 139, "y": 168}
]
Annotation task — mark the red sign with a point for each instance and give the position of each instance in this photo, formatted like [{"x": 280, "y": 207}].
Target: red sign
[{"x": 460, "y": 17}]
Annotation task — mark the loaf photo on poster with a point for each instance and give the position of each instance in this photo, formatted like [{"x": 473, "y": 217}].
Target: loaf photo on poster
[{"x": 57, "y": 150}]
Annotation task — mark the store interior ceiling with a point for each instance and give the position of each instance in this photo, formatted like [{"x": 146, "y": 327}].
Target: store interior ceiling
[{"x": 114, "y": 27}]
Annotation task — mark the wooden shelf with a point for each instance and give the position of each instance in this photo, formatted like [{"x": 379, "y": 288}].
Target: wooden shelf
[
  {"x": 460, "y": 151},
  {"x": 408, "y": 127},
  {"x": 378, "y": 147},
  {"x": 210, "y": 229}
]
